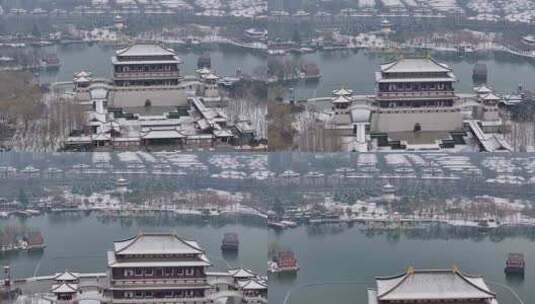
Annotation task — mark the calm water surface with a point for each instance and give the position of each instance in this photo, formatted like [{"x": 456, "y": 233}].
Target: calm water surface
[
  {"x": 353, "y": 259},
  {"x": 356, "y": 70},
  {"x": 97, "y": 59},
  {"x": 79, "y": 243}
]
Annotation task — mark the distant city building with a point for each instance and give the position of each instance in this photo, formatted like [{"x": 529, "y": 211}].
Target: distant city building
[{"x": 431, "y": 286}]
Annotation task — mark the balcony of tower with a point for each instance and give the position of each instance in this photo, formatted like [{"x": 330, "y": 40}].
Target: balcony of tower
[
  {"x": 431, "y": 94},
  {"x": 147, "y": 75},
  {"x": 415, "y": 104},
  {"x": 196, "y": 296},
  {"x": 144, "y": 274}
]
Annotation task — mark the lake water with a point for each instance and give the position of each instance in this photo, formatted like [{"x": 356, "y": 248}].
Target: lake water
[
  {"x": 356, "y": 70},
  {"x": 350, "y": 259},
  {"x": 79, "y": 243},
  {"x": 97, "y": 59}
]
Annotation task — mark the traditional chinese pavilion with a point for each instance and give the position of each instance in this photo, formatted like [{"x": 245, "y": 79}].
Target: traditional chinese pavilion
[
  {"x": 157, "y": 267},
  {"x": 449, "y": 286},
  {"x": 146, "y": 65},
  {"x": 416, "y": 95}
]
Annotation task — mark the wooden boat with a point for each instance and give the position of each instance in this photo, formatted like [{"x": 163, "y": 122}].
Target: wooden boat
[
  {"x": 515, "y": 264},
  {"x": 230, "y": 242}
]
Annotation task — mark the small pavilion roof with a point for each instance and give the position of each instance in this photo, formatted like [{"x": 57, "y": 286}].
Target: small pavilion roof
[
  {"x": 64, "y": 288},
  {"x": 483, "y": 89},
  {"x": 203, "y": 71},
  {"x": 156, "y": 243},
  {"x": 432, "y": 285},
  {"x": 342, "y": 92},
  {"x": 421, "y": 65},
  {"x": 490, "y": 96},
  {"x": 341, "y": 99},
  {"x": 252, "y": 285},
  {"x": 242, "y": 273},
  {"x": 66, "y": 276},
  {"x": 82, "y": 74},
  {"x": 82, "y": 79},
  {"x": 211, "y": 76}
]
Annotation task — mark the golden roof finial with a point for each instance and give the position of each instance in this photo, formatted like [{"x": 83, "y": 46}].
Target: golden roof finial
[
  {"x": 410, "y": 270},
  {"x": 455, "y": 268}
]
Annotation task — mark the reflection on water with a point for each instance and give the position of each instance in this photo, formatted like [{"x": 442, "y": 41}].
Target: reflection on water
[
  {"x": 356, "y": 70},
  {"x": 79, "y": 242},
  {"x": 337, "y": 253},
  {"x": 97, "y": 59}
]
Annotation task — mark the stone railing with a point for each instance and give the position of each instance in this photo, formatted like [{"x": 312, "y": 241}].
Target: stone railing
[
  {"x": 128, "y": 75},
  {"x": 416, "y": 94}
]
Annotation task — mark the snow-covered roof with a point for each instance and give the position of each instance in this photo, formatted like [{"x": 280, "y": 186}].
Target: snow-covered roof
[
  {"x": 425, "y": 65},
  {"x": 203, "y": 71},
  {"x": 82, "y": 74},
  {"x": 252, "y": 285},
  {"x": 341, "y": 99},
  {"x": 342, "y": 92},
  {"x": 482, "y": 89},
  {"x": 156, "y": 243},
  {"x": 490, "y": 96},
  {"x": 211, "y": 76},
  {"x": 64, "y": 288},
  {"x": 242, "y": 273},
  {"x": 101, "y": 137},
  {"x": 145, "y": 50},
  {"x": 82, "y": 79},
  {"x": 66, "y": 276},
  {"x": 256, "y": 31},
  {"x": 223, "y": 133},
  {"x": 432, "y": 284},
  {"x": 161, "y": 134}
]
